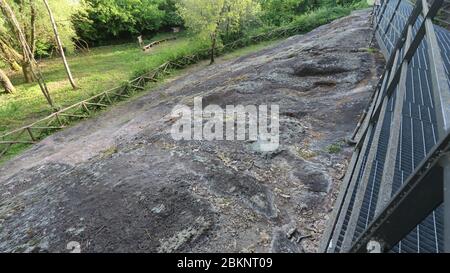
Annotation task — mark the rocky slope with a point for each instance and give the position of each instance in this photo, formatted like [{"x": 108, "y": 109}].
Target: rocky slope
[{"x": 120, "y": 183}]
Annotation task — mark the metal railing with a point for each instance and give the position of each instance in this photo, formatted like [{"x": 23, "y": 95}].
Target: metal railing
[{"x": 386, "y": 195}]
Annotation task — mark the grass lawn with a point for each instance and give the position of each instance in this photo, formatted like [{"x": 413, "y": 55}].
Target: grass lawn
[{"x": 94, "y": 72}]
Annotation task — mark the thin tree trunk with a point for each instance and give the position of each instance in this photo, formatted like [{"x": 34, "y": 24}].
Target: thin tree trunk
[
  {"x": 213, "y": 47},
  {"x": 27, "y": 55},
  {"x": 6, "y": 83},
  {"x": 27, "y": 73},
  {"x": 11, "y": 62},
  {"x": 61, "y": 50},
  {"x": 10, "y": 56},
  {"x": 32, "y": 41},
  {"x": 15, "y": 66},
  {"x": 11, "y": 18}
]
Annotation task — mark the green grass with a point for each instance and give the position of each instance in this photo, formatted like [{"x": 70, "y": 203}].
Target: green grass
[
  {"x": 371, "y": 50},
  {"x": 99, "y": 70},
  {"x": 334, "y": 148},
  {"x": 102, "y": 68}
]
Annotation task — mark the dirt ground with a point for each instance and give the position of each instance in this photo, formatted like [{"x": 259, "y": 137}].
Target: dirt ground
[{"x": 120, "y": 183}]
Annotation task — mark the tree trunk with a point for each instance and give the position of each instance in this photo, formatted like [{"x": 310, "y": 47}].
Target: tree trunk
[
  {"x": 6, "y": 83},
  {"x": 32, "y": 41},
  {"x": 213, "y": 47},
  {"x": 11, "y": 18},
  {"x": 15, "y": 66},
  {"x": 27, "y": 73},
  {"x": 10, "y": 56},
  {"x": 28, "y": 57},
  {"x": 60, "y": 47}
]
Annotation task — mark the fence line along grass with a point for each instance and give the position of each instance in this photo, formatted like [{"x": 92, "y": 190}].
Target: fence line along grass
[{"x": 14, "y": 141}]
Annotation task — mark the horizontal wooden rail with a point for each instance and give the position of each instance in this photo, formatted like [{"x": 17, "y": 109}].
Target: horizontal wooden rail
[{"x": 37, "y": 130}]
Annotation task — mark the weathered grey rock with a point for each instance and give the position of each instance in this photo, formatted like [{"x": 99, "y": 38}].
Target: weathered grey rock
[{"x": 120, "y": 183}]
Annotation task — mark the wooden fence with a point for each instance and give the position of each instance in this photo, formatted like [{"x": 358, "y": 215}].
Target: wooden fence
[{"x": 60, "y": 119}]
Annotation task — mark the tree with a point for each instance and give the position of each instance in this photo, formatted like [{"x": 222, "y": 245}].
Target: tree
[
  {"x": 31, "y": 16},
  {"x": 18, "y": 39},
  {"x": 211, "y": 18},
  {"x": 171, "y": 17},
  {"x": 103, "y": 21},
  {"x": 6, "y": 83},
  {"x": 60, "y": 47},
  {"x": 9, "y": 55},
  {"x": 280, "y": 12},
  {"x": 27, "y": 54}
]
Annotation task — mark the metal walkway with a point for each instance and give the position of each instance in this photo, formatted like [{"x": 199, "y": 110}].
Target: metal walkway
[{"x": 404, "y": 127}]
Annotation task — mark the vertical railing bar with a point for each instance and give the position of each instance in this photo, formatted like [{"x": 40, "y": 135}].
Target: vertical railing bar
[
  {"x": 389, "y": 82},
  {"x": 419, "y": 195},
  {"x": 364, "y": 121},
  {"x": 328, "y": 244},
  {"x": 381, "y": 99},
  {"x": 389, "y": 166},
  {"x": 392, "y": 17},
  {"x": 351, "y": 226},
  {"x": 409, "y": 53},
  {"x": 445, "y": 163},
  {"x": 354, "y": 178},
  {"x": 390, "y": 65},
  {"x": 378, "y": 21}
]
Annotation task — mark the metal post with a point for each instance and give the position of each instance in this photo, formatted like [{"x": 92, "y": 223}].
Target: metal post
[
  {"x": 351, "y": 226},
  {"x": 392, "y": 17},
  {"x": 445, "y": 163},
  {"x": 394, "y": 74},
  {"x": 327, "y": 243},
  {"x": 394, "y": 137},
  {"x": 351, "y": 191},
  {"x": 378, "y": 20}
]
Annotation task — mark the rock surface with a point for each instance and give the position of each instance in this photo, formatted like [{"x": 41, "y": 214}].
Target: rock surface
[{"x": 120, "y": 183}]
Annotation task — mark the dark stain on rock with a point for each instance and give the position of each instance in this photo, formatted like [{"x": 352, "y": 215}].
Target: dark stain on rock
[
  {"x": 318, "y": 69},
  {"x": 246, "y": 189},
  {"x": 314, "y": 180}
]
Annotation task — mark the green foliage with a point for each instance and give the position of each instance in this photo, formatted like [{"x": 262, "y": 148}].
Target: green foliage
[
  {"x": 218, "y": 18},
  {"x": 280, "y": 12},
  {"x": 44, "y": 37},
  {"x": 62, "y": 11},
  {"x": 171, "y": 17},
  {"x": 184, "y": 46},
  {"x": 283, "y": 12},
  {"x": 201, "y": 16},
  {"x": 42, "y": 49},
  {"x": 306, "y": 21},
  {"x": 320, "y": 16},
  {"x": 103, "y": 21}
]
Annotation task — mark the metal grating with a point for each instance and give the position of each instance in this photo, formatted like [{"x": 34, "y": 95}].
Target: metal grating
[{"x": 400, "y": 131}]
